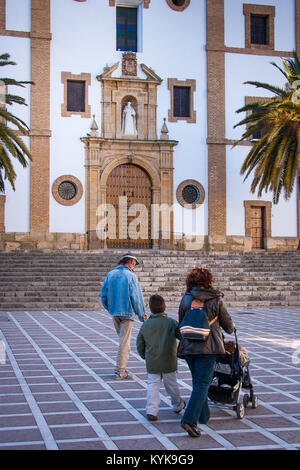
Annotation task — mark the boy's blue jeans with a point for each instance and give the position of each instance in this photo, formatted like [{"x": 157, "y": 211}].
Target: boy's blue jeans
[{"x": 202, "y": 368}]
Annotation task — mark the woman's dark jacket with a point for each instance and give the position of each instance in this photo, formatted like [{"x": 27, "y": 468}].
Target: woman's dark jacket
[{"x": 213, "y": 306}]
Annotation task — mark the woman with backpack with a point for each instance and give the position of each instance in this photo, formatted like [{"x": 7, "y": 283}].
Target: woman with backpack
[{"x": 200, "y": 354}]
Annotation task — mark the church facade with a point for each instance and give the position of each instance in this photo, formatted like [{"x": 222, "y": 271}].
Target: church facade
[{"x": 131, "y": 119}]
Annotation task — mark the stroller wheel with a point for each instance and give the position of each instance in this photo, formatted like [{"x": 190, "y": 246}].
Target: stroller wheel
[
  {"x": 246, "y": 400},
  {"x": 240, "y": 410},
  {"x": 254, "y": 401}
]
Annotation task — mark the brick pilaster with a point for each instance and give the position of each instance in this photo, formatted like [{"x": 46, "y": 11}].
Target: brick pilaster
[
  {"x": 40, "y": 115},
  {"x": 2, "y": 14},
  {"x": 2, "y": 213},
  {"x": 216, "y": 124},
  {"x": 297, "y": 41}
]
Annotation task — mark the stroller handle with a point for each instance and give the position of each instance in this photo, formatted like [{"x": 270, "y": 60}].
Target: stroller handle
[{"x": 235, "y": 334}]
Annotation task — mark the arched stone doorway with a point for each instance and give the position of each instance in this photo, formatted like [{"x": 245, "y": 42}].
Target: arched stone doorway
[{"x": 128, "y": 190}]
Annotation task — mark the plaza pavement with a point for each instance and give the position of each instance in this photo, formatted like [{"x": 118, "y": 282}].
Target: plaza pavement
[{"x": 57, "y": 389}]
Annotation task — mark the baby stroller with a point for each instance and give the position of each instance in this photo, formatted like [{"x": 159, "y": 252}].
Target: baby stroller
[{"x": 230, "y": 376}]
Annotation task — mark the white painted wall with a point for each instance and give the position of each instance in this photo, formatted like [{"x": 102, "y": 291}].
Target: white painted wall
[
  {"x": 78, "y": 45},
  {"x": 18, "y": 15},
  {"x": 241, "y": 68},
  {"x": 173, "y": 44},
  {"x": 284, "y": 23},
  {"x": 17, "y": 202},
  {"x": 284, "y": 214},
  {"x": 90, "y": 31}
]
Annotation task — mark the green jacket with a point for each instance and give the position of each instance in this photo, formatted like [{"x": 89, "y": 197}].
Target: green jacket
[{"x": 156, "y": 343}]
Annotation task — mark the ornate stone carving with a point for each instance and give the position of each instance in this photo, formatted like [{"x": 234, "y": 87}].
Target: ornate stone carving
[
  {"x": 129, "y": 64},
  {"x": 164, "y": 133},
  {"x": 112, "y": 3},
  {"x": 142, "y": 94}
]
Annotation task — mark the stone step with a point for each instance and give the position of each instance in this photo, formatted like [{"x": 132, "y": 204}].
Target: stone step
[
  {"x": 72, "y": 281},
  {"x": 163, "y": 267}
]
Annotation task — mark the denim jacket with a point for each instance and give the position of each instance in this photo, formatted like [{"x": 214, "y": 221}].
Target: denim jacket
[{"x": 121, "y": 294}]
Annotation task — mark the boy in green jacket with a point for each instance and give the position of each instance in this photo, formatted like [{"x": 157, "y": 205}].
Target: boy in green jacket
[{"x": 156, "y": 343}]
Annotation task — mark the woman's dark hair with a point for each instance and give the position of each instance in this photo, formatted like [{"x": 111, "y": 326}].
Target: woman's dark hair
[
  {"x": 157, "y": 304},
  {"x": 199, "y": 277}
]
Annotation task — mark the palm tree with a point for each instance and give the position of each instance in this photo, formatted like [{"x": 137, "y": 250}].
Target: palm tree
[
  {"x": 275, "y": 157},
  {"x": 11, "y": 144}
]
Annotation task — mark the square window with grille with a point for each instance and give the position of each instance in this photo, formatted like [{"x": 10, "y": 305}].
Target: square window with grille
[
  {"x": 261, "y": 132},
  {"x": 126, "y": 29},
  {"x": 182, "y": 101},
  {"x": 259, "y": 29},
  {"x": 75, "y": 96}
]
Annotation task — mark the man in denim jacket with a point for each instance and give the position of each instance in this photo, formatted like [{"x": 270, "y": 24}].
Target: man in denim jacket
[{"x": 121, "y": 295}]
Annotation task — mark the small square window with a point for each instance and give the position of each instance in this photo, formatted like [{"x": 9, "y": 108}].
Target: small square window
[
  {"x": 126, "y": 29},
  {"x": 76, "y": 96},
  {"x": 259, "y": 26},
  {"x": 182, "y": 101},
  {"x": 255, "y": 99},
  {"x": 259, "y": 29}
]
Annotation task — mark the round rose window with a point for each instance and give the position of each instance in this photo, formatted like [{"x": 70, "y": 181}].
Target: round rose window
[
  {"x": 67, "y": 190},
  {"x": 190, "y": 194},
  {"x": 178, "y": 5}
]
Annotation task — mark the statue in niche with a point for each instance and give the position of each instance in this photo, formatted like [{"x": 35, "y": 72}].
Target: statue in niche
[{"x": 129, "y": 120}]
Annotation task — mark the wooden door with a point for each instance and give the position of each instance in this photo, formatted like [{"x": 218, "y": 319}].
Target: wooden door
[
  {"x": 258, "y": 227},
  {"x": 133, "y": 185}
]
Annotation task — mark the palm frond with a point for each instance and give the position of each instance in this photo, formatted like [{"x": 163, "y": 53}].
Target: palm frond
[
  {"x": 274, "y": 89},
  {"x": 274, "y": 159},
  {"x": 11, "y": 144}
]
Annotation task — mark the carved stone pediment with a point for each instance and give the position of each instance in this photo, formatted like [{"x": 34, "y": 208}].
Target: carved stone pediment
[
  {"x": 108, "y": 71},
  {"x": 140, "y": 93},
  {"x": 151, "y": 75}
]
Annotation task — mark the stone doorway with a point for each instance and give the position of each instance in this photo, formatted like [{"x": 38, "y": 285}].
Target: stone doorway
[
  {"x": 135, "y": 166},
  {"x": 258, "y": 227},
  {"x": 129, "y": 192}
]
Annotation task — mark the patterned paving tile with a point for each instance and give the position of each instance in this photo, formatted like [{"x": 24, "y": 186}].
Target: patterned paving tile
[{"x": 57, "y": 389}]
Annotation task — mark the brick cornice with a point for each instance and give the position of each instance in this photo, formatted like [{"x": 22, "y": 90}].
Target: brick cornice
[
  {"x": 40, "y": 35},
  {"x": 224, "y": 141},
  {"x": 249, "y": 51},
  {"x": 16, "y": 34}
]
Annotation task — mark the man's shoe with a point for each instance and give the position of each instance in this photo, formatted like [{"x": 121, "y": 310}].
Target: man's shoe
[
  {"x": 123, "y": 375},
  {"x": 192, "y": 430},
  {"x": 151, "y": 418},
  {"x": 181, "y": 407}
]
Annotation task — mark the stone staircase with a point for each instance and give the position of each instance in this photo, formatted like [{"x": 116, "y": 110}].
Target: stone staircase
[{"x": 72, "y": 280}]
